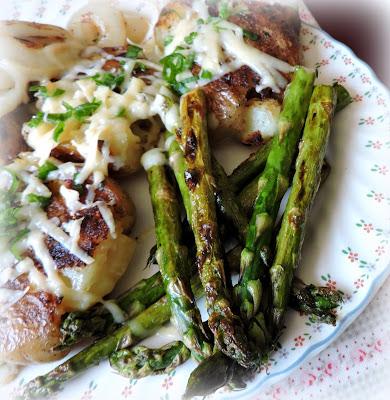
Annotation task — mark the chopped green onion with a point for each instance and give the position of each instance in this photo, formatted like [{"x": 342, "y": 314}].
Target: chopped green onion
[
  {"x": 8, "y": 217},
  {"x": 133, "y": 51},
  {"x": 168, "y": 40},
  {"x": 86, "y": 110},
  {"x": 250, "y": 35},
  {"x": 15, "y": 181},
  {"x": 224, "y": 11},
  {"x": 200, "y": 21},
  {"x": 121, "y": 113},
  {"x": 191, "y": 37},
  {"x": 42, "y": 91},
  {"x": 15, "y": 241},
  {"x": 110, "y": 80},
  {"x": 140, "y": 67},
  {"x": 45, "y": 169},
  {"x": 58, "y": 130},
  {"x": 205, "y": 74},
  {"x": 36, "y": 120},
  {"x": 35, "y": 198}
]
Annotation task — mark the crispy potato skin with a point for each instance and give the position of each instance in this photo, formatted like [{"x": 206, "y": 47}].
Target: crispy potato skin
[
  {"x": 276, "y": 28},
  {"x": 30, "y": 330}
]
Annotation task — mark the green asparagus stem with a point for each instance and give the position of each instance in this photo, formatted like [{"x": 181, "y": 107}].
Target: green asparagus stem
[
  {"x": 178, "y": 166},
  {"x": 227, "y": 202},
  {"x": 318, "y": 302},
  {"x": 172, "y": 258},
  {"x": 343, "y": 97},
  {"x": 272, "y": 186},
  {"x": 130, "y": 333},
  {"x": 98, "y": 321},
  {"x": 226, "y": 326},
  {"x": 249, "y": 168},
  {"x": 304, "y": 188},
  {"x": 140, "y": 361}
]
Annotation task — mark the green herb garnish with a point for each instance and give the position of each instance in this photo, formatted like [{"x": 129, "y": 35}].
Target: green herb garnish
[
  {"x": 110, "y": 80},
  {"x": 133, "y": 51},
  {"x": 191, "y": 37},
  {"x": 251, "y": 35},
  {"x": 121, "y": 113},
  {"x": 224, "y": 11},
  {"x": 8, "y": 217},
  {"x": 168, "y": 40},
  {"x": 43, "y": 91},
  {"x": 45, "y": 169},
  {"x": 205, "y": 74},
  {"x": 15, "y": 241},
  {"x": 42, "y": 200}
]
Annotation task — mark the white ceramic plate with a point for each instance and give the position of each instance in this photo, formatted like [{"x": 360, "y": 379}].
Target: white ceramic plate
[{"x": 347, "y": 242}]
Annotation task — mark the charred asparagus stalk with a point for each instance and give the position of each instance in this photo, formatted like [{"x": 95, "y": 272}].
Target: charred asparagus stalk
[
  {"x": 98, "y": 320},
  {"x": 272, "y": 186},
  {"x": 249, "y": 168},
  {"x": 130, "y": 333},
  {"x": 304, "y": 188},
  {"x": 140, "y": 361},
  {"x": 172, "y": 256},
  {"x": 226, "y": 326}
]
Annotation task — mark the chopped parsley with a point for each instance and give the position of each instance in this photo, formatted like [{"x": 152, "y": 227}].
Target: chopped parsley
[
  {"x": 133, "y": 51},
  {"x": 190, "y": 38},
  {"x": 173, "y": 65},
  {"x": 251, "y": 35},
  {"x": 205, "y": 74},
  {"x": 45, "y": 169},
  {"x": 139, "y": 66},
  {"x": 168, "y": 40},
  {"x": 42, "y": 200},
  {"x": 80, "y": 113},
  {"x": 110, "y": 80},
  {"x": 14, "y": 248},
  {"x": 44, "y": 92},
  {"x": 224, "y": 11},
  {"x": 121, "y": 113}
]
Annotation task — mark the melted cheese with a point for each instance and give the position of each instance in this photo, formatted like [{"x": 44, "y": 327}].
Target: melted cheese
[{"x": 153, "y": 158}]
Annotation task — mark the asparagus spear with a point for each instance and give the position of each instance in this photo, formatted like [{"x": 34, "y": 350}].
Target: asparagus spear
[
  {"x": 226, "y": 326},
  {"x": 130, "y": 333},
  {"x": 250, "y": 167},
  {"x": 172, "y": 257},
  {"x": 272, "y": 185},
  {"x": 304, "y": 188},
  {"x": 98, "y": 320},
  {"x": 140, "y": 361},
  {"x": 227, "y": 203}
]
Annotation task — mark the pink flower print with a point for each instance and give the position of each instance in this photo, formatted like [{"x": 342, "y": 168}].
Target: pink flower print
[
  {"x": 324, "y": 61},
  {"x": 304, "y": 31},
  {"x": 87, "y": 395},
  {"x": 305, "y": 48},
  {"x": 341, "y": 79},
  {"x": 380, "y": 101},
  {"x": 366, "y": 79},
  {"x": 369, "y": 121},
  {"x": 359, "y": 283},
  {"x": 368, "y": 227},
  {"x": 383, "y": 170},
  {"x": 347, "y": 61},
  {"x": 377, "y": 145},
  {"x": 380, "y": 250},
  {"x": 299, "y": 340},
  {"x": 331, "y": 284},
  {"x": 312, "y": 379},
  {"x": 379, "y": 197},
  {"x": 127, "y": 391},
  {"x": 352, "y": 256},
  {"x": 362, "y": 355},
  {"x": 328, "y": 44},
  {"x": 378, "y": 346},
  {"x": 358, "y": 98},
  {"x": 168, "y": 381}
]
